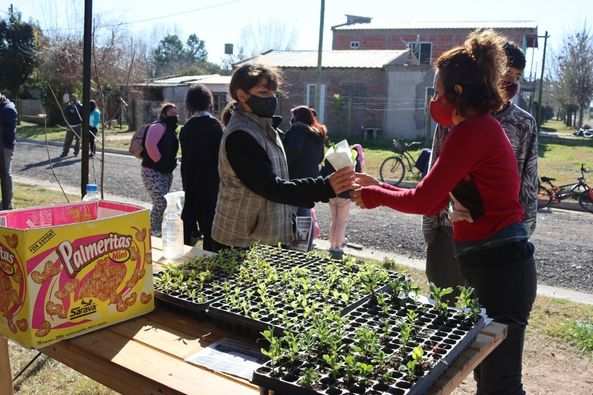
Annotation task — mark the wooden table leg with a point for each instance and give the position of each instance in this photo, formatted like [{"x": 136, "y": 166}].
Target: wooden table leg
[{"x": 5, "y": 374}]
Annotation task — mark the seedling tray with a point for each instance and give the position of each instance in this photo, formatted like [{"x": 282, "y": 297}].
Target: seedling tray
[{"x": 443, "y": 341}]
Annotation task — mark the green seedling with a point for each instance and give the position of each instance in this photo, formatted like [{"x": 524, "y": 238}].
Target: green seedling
[
  {"x": 438, "y": 296},
  {"x": 467, "y": 302},
  {"x": 309, "y": 377}
]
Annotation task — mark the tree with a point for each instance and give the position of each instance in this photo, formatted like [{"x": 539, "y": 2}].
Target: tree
[
  {"x": 19, "y": 46},
  {"x": 196, "y": 49},
  {"x": 576, "y": 71},
  {"x": 171, "y": 56},
  {"x": 263, "y": 36}
]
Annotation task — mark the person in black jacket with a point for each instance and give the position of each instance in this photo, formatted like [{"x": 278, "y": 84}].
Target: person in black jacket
[
  {"x": 8, "y": 120},
  {"x": 303, "y": 144},
  {"x": 200, "y": 142},
  {"x": 73, "y": 113}
]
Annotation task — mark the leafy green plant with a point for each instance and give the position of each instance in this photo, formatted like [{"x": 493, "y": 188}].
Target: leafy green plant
[
  {"x": 334, "y": 364},
  {"x": 405, "y": 334},
  {"x": 438, "y": 296},
  {"x": 274, "y": 350},
  {"x": 366, "y": 343},
  {"x": 415, "y": 362},
  {"x": 309, "y": 377},
  {"x": 467, "y": 302},
  {"x": 350, "y": 368}
]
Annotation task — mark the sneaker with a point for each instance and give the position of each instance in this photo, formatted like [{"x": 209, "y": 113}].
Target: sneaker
[
  {"x": 63, "y": 155},
  {"x": 336, "y": 254}
]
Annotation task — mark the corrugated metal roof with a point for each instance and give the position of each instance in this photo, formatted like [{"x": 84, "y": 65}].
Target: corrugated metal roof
[
  {"x": 378, "y": 25},
  {"x": 375, "y": 59},
  {"x": 214, "y": 79}
]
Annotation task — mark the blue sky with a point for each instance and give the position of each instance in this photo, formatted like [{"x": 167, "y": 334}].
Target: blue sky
[{"x": 220, "y": 21}]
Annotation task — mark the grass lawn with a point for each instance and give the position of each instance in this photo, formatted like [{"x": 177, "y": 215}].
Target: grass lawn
[
  {"x": 114, "y": 138},
  {"x": 554, "y": 125}
]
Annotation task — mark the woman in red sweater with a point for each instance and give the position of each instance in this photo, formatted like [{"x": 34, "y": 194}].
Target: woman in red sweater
[{"x": 478, "y": 168}]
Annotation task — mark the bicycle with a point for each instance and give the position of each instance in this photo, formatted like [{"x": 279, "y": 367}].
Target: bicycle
[
  {"x": 393, "y": 169},
  {"x": 580, "y": 191}
]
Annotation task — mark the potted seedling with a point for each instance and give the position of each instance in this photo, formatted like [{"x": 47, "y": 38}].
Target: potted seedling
[
  {"x": 468, "y": 303},
  {"x": 414, "y": 366},
  {"x": 438, "y": 296},
  {"x": 274, "y": 350},
  {"x": 334, "y": 364},
  {"x": 365, "y": 372},
  {"x": 309, "y": 377}
]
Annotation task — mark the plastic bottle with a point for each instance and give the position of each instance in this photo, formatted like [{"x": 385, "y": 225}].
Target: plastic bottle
[
  {"x": 172, "y": 227},
  {"x": 91, "y": 193}
]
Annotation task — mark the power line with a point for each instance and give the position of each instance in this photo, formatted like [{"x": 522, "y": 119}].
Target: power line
[{"x": 156, "y": 18}]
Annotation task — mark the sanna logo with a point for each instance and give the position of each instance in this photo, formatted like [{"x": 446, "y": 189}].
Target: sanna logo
[
  {"x": 74, "y": 260},
  {"x": 7, "y": 260}
]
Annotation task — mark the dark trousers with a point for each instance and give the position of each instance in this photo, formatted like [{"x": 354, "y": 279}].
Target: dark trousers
[
  {"x": 442, "y": 266},
  {"x": 198, "y": 210},
  {"x": 72, "y": 134},
  {"x": 505, "y": 281}
]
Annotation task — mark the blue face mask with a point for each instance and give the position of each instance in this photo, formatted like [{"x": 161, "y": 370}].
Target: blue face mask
[{"x": 263, "y": 107}]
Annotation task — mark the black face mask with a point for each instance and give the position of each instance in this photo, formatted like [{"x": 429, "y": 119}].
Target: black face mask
[
  {"x": 171, "y": 122},
  {"x": 264, "y": 107}
]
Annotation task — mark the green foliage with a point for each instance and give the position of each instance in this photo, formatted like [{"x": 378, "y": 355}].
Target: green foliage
[
  {"x": 309, "y": 377},
  {"x": 467, "y": 302},
  {"x": 580, "y": 333},
  {"x": 19, "y": 48},
  {"x": 438, "y": 296},
  {"x": 172, "y": 56}
]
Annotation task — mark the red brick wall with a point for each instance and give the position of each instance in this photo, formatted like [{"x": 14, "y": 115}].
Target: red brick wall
[{"x": 441, "y": 39}]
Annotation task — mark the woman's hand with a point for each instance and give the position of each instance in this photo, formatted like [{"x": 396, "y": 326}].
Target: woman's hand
[
  {"x": 356, "y": 196},
  {"x": 365, "y": 180},
  {"x": 342, "y": 180},
  {"x": 459, "y": 212}
]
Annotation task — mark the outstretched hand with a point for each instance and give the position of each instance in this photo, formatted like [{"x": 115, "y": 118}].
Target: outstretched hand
[
  {"x": 356, "y": 196},
  {"x": 365, "y": 180},
  {"x": 342, "y": 180}
]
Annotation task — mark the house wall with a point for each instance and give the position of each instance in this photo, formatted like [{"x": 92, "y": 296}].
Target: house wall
[
  {"x": 363, "y": 97},
  {"x": 405, "y": 115},
  {"x": 441, "y": 39}
]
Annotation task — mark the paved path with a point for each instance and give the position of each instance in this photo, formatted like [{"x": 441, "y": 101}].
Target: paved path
[{"x": 563, "y": 240}]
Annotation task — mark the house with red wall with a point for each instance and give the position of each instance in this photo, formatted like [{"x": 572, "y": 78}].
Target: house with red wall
[{"x": 428, "y": 40}]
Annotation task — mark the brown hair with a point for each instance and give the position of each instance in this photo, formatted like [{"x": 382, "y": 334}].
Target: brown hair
[
  {"x": 249, "y": 75},
  {"x": 307, "y": 116},
  {"x": 476, "y": 66},
  {"x": 164, "y": 108},
  {"x": 225, "y": 115}
]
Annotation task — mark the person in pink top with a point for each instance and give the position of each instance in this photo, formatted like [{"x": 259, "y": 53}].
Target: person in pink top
[{"x": 159, "y": 160}]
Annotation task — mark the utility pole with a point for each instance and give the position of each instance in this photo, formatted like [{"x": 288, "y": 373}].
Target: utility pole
[
  {"x": 541, "y": 83},
  {"x": 319, "y": 60},
  {"x": 86, "y": 93}
]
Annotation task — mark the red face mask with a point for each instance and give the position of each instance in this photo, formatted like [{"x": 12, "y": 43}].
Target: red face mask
[{"x": 442, "y": 112}]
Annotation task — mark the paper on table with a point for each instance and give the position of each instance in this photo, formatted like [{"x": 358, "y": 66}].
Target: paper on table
[
  {"x": 340, "y": 155},
  {"x": 228, "y": 356}
]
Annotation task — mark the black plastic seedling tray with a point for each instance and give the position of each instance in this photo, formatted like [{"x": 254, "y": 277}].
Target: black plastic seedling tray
[{"x": 450, "y": 337}]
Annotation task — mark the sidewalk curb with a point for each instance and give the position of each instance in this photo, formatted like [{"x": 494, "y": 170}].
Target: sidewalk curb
[{"x": 58, "y": 144}]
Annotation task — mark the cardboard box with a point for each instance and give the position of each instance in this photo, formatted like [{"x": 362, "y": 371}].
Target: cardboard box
[{"x": 70, "y": 269}]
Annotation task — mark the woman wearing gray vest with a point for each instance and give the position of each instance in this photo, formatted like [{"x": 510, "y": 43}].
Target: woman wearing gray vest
[{"x": 256, "y": 198}]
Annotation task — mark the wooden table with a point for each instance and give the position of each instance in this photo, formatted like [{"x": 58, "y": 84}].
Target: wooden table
[{"x": 147, "y": 355}]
